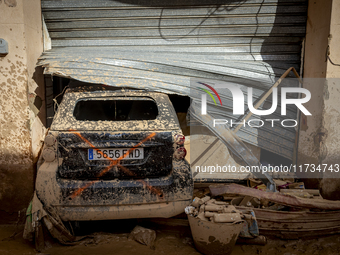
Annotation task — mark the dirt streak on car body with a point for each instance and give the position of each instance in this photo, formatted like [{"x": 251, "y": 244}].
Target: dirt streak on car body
[{"x": 113, "y": 163}]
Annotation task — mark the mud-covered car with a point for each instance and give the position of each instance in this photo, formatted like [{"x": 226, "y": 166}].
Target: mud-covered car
[{"x": 114, "y": 155}]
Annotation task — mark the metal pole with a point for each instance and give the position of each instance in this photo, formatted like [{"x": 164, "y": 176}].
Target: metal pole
[{"x": 265, "y": 96}]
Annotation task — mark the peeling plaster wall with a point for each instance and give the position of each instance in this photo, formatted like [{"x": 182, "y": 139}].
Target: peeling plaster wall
[
  {"x": 35, "y": 85},
  {"x": 20, "y": 82}
]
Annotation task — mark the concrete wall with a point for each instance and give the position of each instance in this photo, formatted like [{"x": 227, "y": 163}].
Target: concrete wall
[
  {"x": 319, "y": 140},
  {"x": 315, "y": 66},
  {"x": 332, "y": 90},
  {"x": 20, "y": 82},
  {"x": 330, "y": 187}
]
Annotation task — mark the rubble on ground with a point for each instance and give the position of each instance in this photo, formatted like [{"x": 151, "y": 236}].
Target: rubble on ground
[
  {"x": 143, "y": 235},
  {"x": 216, "y": 225}
]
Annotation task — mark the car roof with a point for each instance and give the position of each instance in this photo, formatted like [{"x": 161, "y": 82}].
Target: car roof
[{"x": 64, "y": 119}]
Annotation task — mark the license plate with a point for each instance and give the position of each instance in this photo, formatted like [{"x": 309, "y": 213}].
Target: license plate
[{"x": 115, "y": 153}]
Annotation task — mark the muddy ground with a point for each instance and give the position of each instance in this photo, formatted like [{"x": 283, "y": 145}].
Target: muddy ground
[{"x": 112, "y": 238}]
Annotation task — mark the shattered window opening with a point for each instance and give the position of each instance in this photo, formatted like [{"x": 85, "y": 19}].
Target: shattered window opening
[{"x": 116, "y": 109}]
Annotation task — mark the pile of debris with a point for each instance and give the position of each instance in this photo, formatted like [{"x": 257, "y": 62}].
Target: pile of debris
[
  {"x": 292, "y": 213},
  {"x": 224, "y": 213},
  {"x": 215, "y": 211},
  {"x": 217, "y": 225}
]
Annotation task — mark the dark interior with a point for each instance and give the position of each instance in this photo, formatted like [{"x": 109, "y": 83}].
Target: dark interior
[{"x": 116, "y": 110}]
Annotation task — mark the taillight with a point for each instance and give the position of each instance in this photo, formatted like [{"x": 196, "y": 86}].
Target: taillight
[
  {"x": 50, "y": 140},
  {"x": 49, "y": 152},
  {"x": 179, "y": 139},
  {"x": 180, "y": 153}
]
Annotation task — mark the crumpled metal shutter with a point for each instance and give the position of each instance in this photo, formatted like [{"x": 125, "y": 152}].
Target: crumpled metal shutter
[{"x": 160, "y": 45}]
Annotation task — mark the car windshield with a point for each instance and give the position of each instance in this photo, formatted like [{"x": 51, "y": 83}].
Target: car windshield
[{"x": 116, "y": 109}]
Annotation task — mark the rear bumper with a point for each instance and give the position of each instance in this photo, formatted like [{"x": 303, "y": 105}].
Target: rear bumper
[
  {"x": 153, "y": 210},
  {"x": 115, "y": 199}
]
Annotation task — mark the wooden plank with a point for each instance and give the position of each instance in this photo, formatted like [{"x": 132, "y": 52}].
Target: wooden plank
[{"x": 276, "y": 197}]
